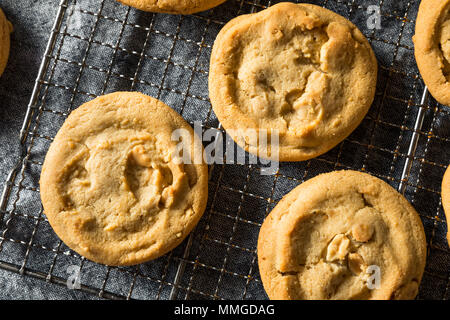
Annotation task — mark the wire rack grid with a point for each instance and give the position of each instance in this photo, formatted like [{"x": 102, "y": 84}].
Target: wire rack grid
[{"x": 98, "y": 47}]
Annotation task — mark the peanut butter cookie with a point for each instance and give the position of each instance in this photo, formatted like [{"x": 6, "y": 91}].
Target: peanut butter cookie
[
  {"x": 5, "y": 30},
  {"x": 445, "y": 194},
  {"x": 342, "y": 235},
  {"x": 298, "y": 70},
  {"x": 432, "y": 47},
  {"x": 110, "y": 185},
  {"x": 173, "y": 6}
]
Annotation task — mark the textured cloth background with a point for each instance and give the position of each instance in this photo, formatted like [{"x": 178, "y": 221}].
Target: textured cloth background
[{"x": 110, "y": 47}]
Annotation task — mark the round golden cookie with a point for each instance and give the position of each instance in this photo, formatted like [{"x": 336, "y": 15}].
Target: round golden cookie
[
  {"x": 5, "y": 30},
  {"x": 112, "y": 186},
  {"x": 298, "y": 70},
  {"x": 327, "y": 237},
  {"x": 432, "y": 47},
  {"x": 173, "y": 6},
  {"x": 445, "y": 195}
]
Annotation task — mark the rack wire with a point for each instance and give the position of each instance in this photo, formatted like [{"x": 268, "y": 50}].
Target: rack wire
[{"x": 97, "y": 47}]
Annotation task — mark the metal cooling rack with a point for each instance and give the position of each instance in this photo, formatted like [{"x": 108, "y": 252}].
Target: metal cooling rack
[{"x": 97, "y": 47}]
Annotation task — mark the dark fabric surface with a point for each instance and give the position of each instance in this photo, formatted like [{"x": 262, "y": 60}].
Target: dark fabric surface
[
  {"x": 109, "y": 48},
  {"x": 32, "y": 22}
]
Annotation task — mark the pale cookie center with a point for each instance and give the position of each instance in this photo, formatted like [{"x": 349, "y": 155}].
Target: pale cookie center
[
  {"x": 342, "y": 267},
  {"x": 285, "y": 78},
  {"x": 362, "y": 232},
  {"x": 123, "y": 181}
]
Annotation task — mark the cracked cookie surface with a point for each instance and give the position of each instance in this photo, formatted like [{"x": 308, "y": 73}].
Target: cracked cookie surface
[
  {"x": 322, "y": 237},
  {"x": 5, "y": 30},
  {"x": 432, "y": 47},
  {"x": 297, "y": 69},
  {"x": 110, "y": 187},
  {"x": 173, "y": 6}
]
